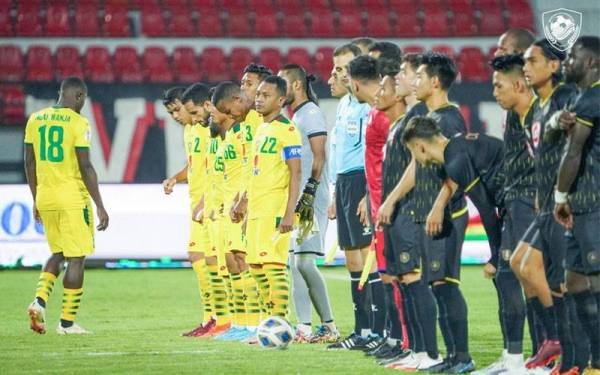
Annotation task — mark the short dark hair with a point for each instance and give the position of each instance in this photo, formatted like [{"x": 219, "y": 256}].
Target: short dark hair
[
  {"x": 279, "y": 83},
  {"x": 387, "y": 50},
  {"x": 441, "y": 66},
  {"x": 523, "y": 38},
  {"x": 347, "y": 48},
  {"x": 224, "y": 90},
  {"x": 171, "y": 94},
  {"x": 512, "y": 63},
  {"x": 198, "y": 93},
  {"x": 363, "y": 41},
  {"x": 258, "y": 69},
  {"x": 420, "y": 127},
  {"x": 413, "y": 59},
  {"x": 590, "y": 43},
  {"x": 552, "y": 53},
  {"x": 71, "y": 83},
  {"x": 363, "y": 68},
  {"x": 387, "y": 67},
  {"x": 297, "y": 73}
]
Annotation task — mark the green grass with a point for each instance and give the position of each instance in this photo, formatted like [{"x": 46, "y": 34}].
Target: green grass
[{"x": 137, "y": 317}]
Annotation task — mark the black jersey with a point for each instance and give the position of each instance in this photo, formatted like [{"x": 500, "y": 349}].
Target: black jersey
[
  {"x": 549, "y": 146},
  {"x": 519, "y": 169},
  {"x": 428, "y": 180},
  {"x": 584, "y": 195}
]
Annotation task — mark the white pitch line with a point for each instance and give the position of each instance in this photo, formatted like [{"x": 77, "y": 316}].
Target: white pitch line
[{"x": 114, "y": 354}]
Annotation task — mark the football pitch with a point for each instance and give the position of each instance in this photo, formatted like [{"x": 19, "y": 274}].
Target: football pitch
[{"x": 137, "y": 318}]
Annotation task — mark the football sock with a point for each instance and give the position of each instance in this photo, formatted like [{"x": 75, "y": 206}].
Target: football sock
[
  {"x": 252, "y": 299},
  {"x": 426, "y": 311},
  {"x": 378, "y": 304},
  {"x": 392, "y": 312},
  {"x": 361, "y": 317},
  {"x": 279, "y": 291},
  {"x": 228, "y": 290},
  {"x": 239, "y": 306},
  {"x": 300, "y": 293},
  {"x": 443, "y": 321},
  {"x": 549, "y": 322},
  {"x": 70, "y": 306},
  {"x": 201, "y": 271},
  {"x": 415, "y": 333},
  {"x": 457, "y": 318},
  {"x": 534, "y": 321},
  {"x": 500, "y": 318},
  {"x": 567, "y": 360},
  {"x": 579, "y": 336},
  {"x": 262, "y": 284},
  {"x": 317, "y": 289},
  {"x": 587, "y": 310},
  {"x": 219, "y": 292},
  {"x": 512, "y": 310},
  {"x": 44, "y": 287}
]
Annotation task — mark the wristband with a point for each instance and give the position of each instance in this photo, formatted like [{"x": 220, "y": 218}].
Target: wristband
[
  {"x": 560, "y": 197},
  {"x": 311, "y": 186}
]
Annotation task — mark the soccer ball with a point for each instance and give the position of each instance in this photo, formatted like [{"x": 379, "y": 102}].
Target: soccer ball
[{"x": 274, "y": 332}]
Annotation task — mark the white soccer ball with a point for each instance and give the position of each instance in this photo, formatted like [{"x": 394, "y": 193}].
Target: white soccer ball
[{"x": 274, "y": 332}]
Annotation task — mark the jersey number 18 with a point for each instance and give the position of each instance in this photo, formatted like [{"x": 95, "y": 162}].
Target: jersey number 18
[{"x": 51, "y": 143}]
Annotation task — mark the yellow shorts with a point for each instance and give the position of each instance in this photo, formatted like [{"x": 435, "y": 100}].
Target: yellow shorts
[
  {"x": 199, "y": 238},
  {"x": 265, "y": 243},
  {"x": 234, "y": 237},
  {"x": 70, "y": 232},
  {"x": 217, "y": 243}
]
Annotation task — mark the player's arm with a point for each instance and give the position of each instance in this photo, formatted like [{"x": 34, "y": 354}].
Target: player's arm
[
  {"x": 435, "y": 219},
  {"x": 90, "y": 179},
  {"x": 305, "y": 206},
  {"x": 31, "y": 175},
  {"x": 170, "y": 182},
  {"x": 287, "y": 222},
  {"x": 198, "y": 212},
  {"x": 403, "y": 187}
]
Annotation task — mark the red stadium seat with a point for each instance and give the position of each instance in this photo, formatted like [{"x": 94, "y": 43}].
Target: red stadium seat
[
  {"x": 322, "y": 24},
  {"x": 435, "y": 22},
  {"x": 294, "y": 24},
  {"x": 86, "y": 19},
  {"x": 412, "y": 49},
  {"x": 11, "y": 64},
  {"x": 314, "y": 5},
  {"x": 378, "y": 23},
  {"x": 97, "y": 65},
  {"x": 300, "y": 56},
  {"x": 345, "y": 5},
  {"x": 258, "y": 5},
  {"x": 127, "y": 65},
  {"x": 238, "y": 23},
  {"x": 6, "y": 25},
  {"x": 67, "y": 63},
  {"x": 472, "y": 65},
  {"x": 153, "y": 22},
  {"x": 349, "y": 23},
  {"x": 521, "y": 18},
  {"x": 210, "y": 23},
  {"x": 491, "y": 20},
  {"x": 463, "y": 21},
  {"x": 324, "y": 62},
  {"x": 370, "y": 5},
  {"x": 266, "y": 24},
  {"x": 199, "y": 5},
  {"x": 271, "y": 58},
  {"x": 39, "y": 64},
  {"x": 57, "y": 20},
  {"x": 156, "y": 65},
  {"x": 28, "y": 19},
  {"x": 185, "y": 65},
  {"x": 233, "y": 4},
  {"x": 239, "y": 58},
  {"x": 176, "y": 6},
  {"x": 181, "y": 24},
  {"x": 407, "y": 22},
  {"x": 213, "y": 65},
  {"x": 116, "y": 20},
  {"x": 445, "y": 49},
  {"x": 12, "y": 104}
]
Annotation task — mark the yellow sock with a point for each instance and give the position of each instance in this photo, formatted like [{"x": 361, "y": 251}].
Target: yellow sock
[
  {"x": 202, "y": 275},
  {"x": 252, "y": 299},
  {"x": 262, "y": 284},
  {"x": 279, "y": 289},
  {"x": 45, "y": 286},
  {"x": 71, "y": 302},
  {"x": 239, "y": 307},
  {"x": 219, "y": 293}
]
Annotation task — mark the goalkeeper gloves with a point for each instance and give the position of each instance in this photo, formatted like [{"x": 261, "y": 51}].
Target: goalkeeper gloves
[{"x": 305, "y": 209}]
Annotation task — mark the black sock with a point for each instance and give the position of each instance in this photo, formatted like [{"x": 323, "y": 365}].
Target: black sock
[
  {"x": 500, "y": 319},
  {"x": 512, "y": 310},
  {"x": 567, "y": 360},
  {"x": 579, "y": 336},
  {"x": 544, "y": 318},
  {"x": 587, "y": 310},
  {"x": 534, "y": 318},
  {"x": 444, "y": 321},
  {"x": 361, "y": 317},
  {"x": 456, "y": 307},
  {"x": 393, "y": 317},
  {"x": 378, "y": 304},
  {"x": 41, "y": 302},
  {"x": 66, "y": 323},
  {"x": 425, "y": 308},
  {"x": 415, "y": 340},
  {"x": 549, "y": 322}
]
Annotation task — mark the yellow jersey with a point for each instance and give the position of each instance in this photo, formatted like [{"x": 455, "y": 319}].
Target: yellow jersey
[
  {"x": 55, "y": 134},
  {"x": 235, "y": 160},
  {"x": 251, "y": 123},
  {"x": 214, "y": 173},
  {"x": 274, "y": 144},
  {"x": 197, "y": 141}
]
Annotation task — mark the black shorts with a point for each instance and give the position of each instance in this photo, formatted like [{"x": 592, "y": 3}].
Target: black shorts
[
  {"x": 401, "y": 246},
  {"x": 350, "y": 188},
  {"x": 520, "y": 213},
  {"x": 441, "y": 254},
  {"x": 583, "y": 247},
  {"x": 547, "y": 236}
]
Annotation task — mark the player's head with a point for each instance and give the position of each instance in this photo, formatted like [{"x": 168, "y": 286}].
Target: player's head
[
  {"x": 196, "y": 101},
  {"x": 514, "y": 41},
  {"x": 363, "y": 74},
  {"x": 436, "y": 73},
  {"x": 228, "y": 99},
  {"x": 252, "y": 77},
  {"x": 542, "y": 63},
  {"x": 171, "y": 100},
  {"x": 420, "y": 136},
  {"x": 336, "y": 87},
  {"x": 509, "y": 81},
  {"x": 387, "y": 96},
  {"x": 342, "y": 55},
  {"x": 583, "y": 59},
  {"x": 73, "y": 93},
  {"x": 299, "y": 84},
  {"x": 270, "y": 96},
  {"x": 385, "y": 50},
  {"x": 408, "y": 73},
  {"x": 363, "y": 43}
]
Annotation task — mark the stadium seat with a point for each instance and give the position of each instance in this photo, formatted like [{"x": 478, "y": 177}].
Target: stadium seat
[
  {"x": 153, "y": 22},
  {"x": 324, "y": 62},
  {"x": 463, "y": 21},
  {"x": 6, "y": 25},
  {"x": 472, "y": 65},
  {"x": 127, "y": 65},
  {"x": 315, "y": 5},
  {"x": 491, "y": 19},
  {"x": 400, "y": 5},
  {"x": 116, "y": 20},
  {"x": 294, "y": 24},
  {"x": 407, "y": 23},
  {"x": 199, "y": 5},
  {"x": 210, "y": 23},
  {"x": 322, "y": 25},
  {"x": 345, "y": 5},
  {"x": 238, "y": 23},
  {"x": 28, "y": 20},
  {"x": 239, "y": 58},
  {"x": 300, "y": 56},
  {"x": 445, "y": 49},
  {"x": 412, "y": 49},
  {"x": 86, "y": 19},
  {"x": 11, "y": 64},
  {"x": 97, "y": 65},
  {"x": 67, "y": 63},
  {"x": 435, "y": 22},
  {"x": 185, "y": 65},
  {"x": 233, "y": 5},
  {"x": 258, "y": 5},
  {"x": 157, "y": 68},
  {"x": 181, "y": 24},
  {"x": 370, "y": 5},
  {"x": 521, "y": 18},
  {"x": 349, "y": 23},
  {"x": 39, "y": 64},
  {"x": 378, "y": 23},
  {"x": 271, "y": 58},
  {"x": 266, "y": 25},
  {"x": 57, "y": 20},
  {"x": 12, "y": 104},
  {"x": 175, "y": 6},
  {"x": 213, "y": 65}
]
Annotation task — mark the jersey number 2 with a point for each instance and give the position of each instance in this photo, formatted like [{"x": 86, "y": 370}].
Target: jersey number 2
[{"x": 51, "y": 148}]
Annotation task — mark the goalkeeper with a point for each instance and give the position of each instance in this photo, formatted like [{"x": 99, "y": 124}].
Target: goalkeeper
[{"x": 308, "y": 283}]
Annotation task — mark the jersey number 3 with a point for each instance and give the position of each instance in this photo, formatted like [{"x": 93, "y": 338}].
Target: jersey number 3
[{"x": 51, "y": 147}]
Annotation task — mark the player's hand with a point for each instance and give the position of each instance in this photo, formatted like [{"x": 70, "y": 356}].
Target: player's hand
[
  {"x": 435, "y": 222},
  {"x": 168, "y": 185},
  {"x": 564, "y": 215},
  {"x": 331, "y": 214},
  {"x": 287, "y": 223},
  {"x": 384, "y": 214},
  {"x": 239, "y": 212},
  {"x": 305, "y": 207},
  {"x": 489, "y": 271},
  {"x": 36, "y": 214},
  {"x": 102, "y": 218},
  {"x": 198, "y": 213},
  {"x": 567, "y": 120},
  {"x": 362, "y": 212}
]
